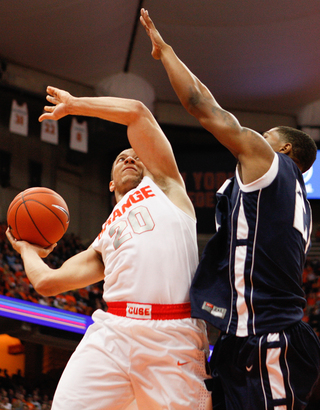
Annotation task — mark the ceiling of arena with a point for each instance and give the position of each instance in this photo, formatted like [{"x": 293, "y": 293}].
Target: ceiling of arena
[{"x": 255, "y": 55}]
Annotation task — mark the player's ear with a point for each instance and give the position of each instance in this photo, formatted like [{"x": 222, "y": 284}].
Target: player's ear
[
  {"x": 111, "y": 186},
  {"x": 286, "y": 149}
]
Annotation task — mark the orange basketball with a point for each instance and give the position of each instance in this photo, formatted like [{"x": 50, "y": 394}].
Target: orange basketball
[{"x": 39, "y": 216}]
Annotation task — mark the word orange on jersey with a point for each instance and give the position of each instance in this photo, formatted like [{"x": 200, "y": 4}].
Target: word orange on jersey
[{"x": 137, "y": 196}]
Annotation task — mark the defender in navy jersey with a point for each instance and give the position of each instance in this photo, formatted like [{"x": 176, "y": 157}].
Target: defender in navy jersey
[
  {"x": 264, "y": 233},
  {"x": 248, "y": 283}
]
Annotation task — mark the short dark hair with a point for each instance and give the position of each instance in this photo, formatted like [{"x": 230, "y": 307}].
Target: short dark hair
[{"x": 304, "y": 149}]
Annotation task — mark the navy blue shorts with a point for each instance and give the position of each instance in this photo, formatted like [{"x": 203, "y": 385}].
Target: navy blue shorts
[{"x": 266, "y": 371}]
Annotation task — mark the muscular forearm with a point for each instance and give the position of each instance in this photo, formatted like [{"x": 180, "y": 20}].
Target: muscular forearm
[
  {"x": 118, "y": 110},
  {"x": 194, "y": 96},
  {"x": 38, "y": 272},
  {"x": 199, "y": 102},
  {"x": 79, "y": 271}
]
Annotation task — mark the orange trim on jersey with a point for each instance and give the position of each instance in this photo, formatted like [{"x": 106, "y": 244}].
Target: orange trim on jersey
[{"x": 145, "y": 311}]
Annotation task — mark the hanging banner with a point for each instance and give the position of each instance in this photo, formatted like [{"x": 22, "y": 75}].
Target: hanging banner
[
  {"x": 19, "y": 119},
  {"x": 79, "y": 136},
  {"x": 49, "y": 131}
]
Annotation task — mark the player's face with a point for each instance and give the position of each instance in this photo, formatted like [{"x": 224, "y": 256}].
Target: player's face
[
  {"x": 128, "y": 172},
  {"x": 274, "y": 139}
]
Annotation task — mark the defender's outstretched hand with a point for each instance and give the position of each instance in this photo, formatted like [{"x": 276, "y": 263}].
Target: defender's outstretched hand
[
  {"x": 61, "y": 100},
  {"x": 155, "y": 37}
]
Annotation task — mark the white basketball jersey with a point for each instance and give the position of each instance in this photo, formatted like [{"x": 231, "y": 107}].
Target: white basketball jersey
[{"x": 149, "y": 248}]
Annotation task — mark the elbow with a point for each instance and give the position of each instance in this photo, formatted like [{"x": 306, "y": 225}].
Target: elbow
[
  {"x": 44, "y": 288},
  {"x": 195, "y": 103},
  {"x": 137, "y": 111}
]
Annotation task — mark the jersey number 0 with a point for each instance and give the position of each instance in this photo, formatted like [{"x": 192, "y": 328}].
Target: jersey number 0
[{"x": 140, "y": 221}]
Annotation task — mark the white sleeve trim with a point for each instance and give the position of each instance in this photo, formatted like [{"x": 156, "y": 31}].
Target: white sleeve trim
[{"x": 263, "y": 181}]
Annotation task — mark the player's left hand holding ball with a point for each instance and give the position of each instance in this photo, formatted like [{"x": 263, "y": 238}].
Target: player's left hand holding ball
[{"x": 21, "y": 246}]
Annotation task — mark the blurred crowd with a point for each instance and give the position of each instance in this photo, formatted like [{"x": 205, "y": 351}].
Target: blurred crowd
[
  {"x": 14, "y": 282},
  {"x": 311, "y": 286},
  {"x": 14, "y": 396}
]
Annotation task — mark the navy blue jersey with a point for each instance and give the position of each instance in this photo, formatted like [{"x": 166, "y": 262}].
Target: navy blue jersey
[{"x": 249, "y": 278}]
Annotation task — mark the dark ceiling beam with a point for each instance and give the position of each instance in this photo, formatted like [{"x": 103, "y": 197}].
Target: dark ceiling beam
[{"x": 133, "y": 36}]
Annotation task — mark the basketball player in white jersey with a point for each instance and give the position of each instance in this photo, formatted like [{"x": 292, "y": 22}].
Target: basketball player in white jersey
[{"x": 145, "y": 347}]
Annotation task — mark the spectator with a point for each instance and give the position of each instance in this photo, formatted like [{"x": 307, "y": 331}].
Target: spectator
[
  {"x": 36, "y": 402},
  {"x": 4, "y": 403}
]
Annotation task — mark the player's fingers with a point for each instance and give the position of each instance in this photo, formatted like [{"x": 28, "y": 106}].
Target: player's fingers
[
  {"x": 49, "y": 108},
  {"x": 45, "y": 116},
  {"x": 51, "y": 248},
  {"x": 44, "y": 252},
  {"x": 52, "y": 99},
  {"x": 144, "y": 16},
  {"x": 148, "y": 19},
  {"x": 9, "y": 234},
  {"x": 10, "y": 237},
  {"x": 52, "y": 90},
  {"x": 143, "y": 22}
]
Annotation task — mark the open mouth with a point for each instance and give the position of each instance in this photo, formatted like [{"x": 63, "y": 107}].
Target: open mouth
[{"x": 130, "y": 169}]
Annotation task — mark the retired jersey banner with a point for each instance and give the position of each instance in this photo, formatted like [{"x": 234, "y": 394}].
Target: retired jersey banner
[
  {"x": 19, "y": 118},
  {"x": 79, "y": 136},
  {"x": 49, "y": 131}
]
